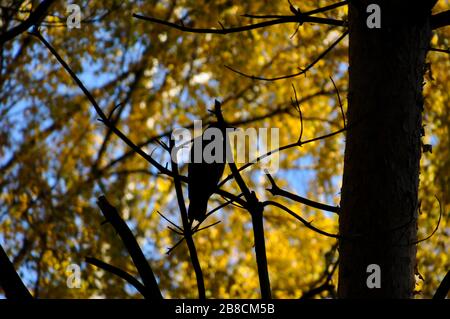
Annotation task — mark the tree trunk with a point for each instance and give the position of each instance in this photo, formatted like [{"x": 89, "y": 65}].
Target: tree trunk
[{"x": 379, "y": 201}]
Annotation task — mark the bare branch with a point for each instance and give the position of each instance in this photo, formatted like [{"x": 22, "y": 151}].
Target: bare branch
[
  {"x": 10, "y": 281},
  {"x": 301, "y": 219},
  {"x": 326, "y": 8},
  {"x": 297, "y": 106},
  {"x": 172, "y": 223},
  {"x": 103, "y": 118},
  {"x": 440, "y": 20},
  {"x": 440, "y": 50},
  {"x": 301, "y": 72},
  {"x": 118, "y": 272},
  {"x": 228, "y": 202},
  {"x": 307, "y": 13},
  {"x": 233, "y": 123},
  {"x": 281, "y": 20},
  {"x": 276, "y": 191},
  {"x": 339, "y": 101},
  {"x": 187, "y": 229},
  {"x": 435, "y": 229},
  {"x": 280, "y": 149},
  {"x": 35, "y": 17},
  {"x": 145, "y": 271},
  {"x": 443, "y": 288},
  {"x": 254, "y": 207},
  {"x": 169, "y": 250},
  {"x": 206, "y": 227}
]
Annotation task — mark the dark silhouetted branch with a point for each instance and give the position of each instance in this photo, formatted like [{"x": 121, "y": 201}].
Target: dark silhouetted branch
[
  {"x": 307, "y": 13},
  {"x": 298, "y": 108},
  {"x": 440, "y": 50},
  {"x": 169, "y": 250},
  {"x": 341, "y": 107},
  {"x": 326, "y": 277},
  {"x": 282, "y": 148},
  {"x": 326, "y": 286},
  {"x": 301, "y": 219},
  {"x": 256, "y": 209},
  {"x": 444, "y": 288},
  {"x": 301, "y": 72},
  {"x": 234, "y": 123},
  {"x": 222, "y": 30},
  {"x": 326, "y": 8},
  {"x": 187, "y": 231},
  {"x": 435, "y": 229},
  {"x": 10, "y": 281},
  {"x": 35, "y": 17},
  {"x": 104, "y": 119},
  {"x": 441, "y": 19},
  {"x": 118, "y": 272},
  {"x": 276, "y": 191},
  {"x": 132, "y": 246}
]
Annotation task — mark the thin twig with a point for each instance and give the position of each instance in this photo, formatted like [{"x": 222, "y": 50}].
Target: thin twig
[
  {"x": 301, "y": 72},
  {"x": 169, "y": 250},
  {"x": 307, "y": 13},
  {"x": 339, "y": 101},
  {"x": 297, "y": 106},
  {"x": 280, "y": 149},
  {"x": 206, "y": 227},
  {"x": 172, "y": 223},
  {"x": 301, "y": 219},
  {"x": 175, "y": 231},
  {"x": 435, "y": 229}
]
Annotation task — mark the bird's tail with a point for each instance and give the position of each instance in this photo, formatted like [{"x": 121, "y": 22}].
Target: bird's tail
[{"x": 197, "y": 211}]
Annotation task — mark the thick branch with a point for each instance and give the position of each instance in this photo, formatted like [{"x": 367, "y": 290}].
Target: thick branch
[
  {"x": 444, "y": 288},
  {"x": 139, "y": 260},
  {"x": 440, "y": 20},
  {"x": 187, "y": 231},
  {"x": 256, "y": 209},
  {"x": 440, "y": 50},
  {"x": 10, "y": 281}
]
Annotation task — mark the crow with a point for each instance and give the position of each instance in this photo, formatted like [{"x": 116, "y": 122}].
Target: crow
[{"x": 204, "y": 172}]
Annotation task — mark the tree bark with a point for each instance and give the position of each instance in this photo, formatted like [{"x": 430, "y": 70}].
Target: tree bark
[{"x": 379, "y": 202}]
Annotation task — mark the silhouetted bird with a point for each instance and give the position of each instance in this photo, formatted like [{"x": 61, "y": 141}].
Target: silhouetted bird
[{"x": 203, "y": 173}]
